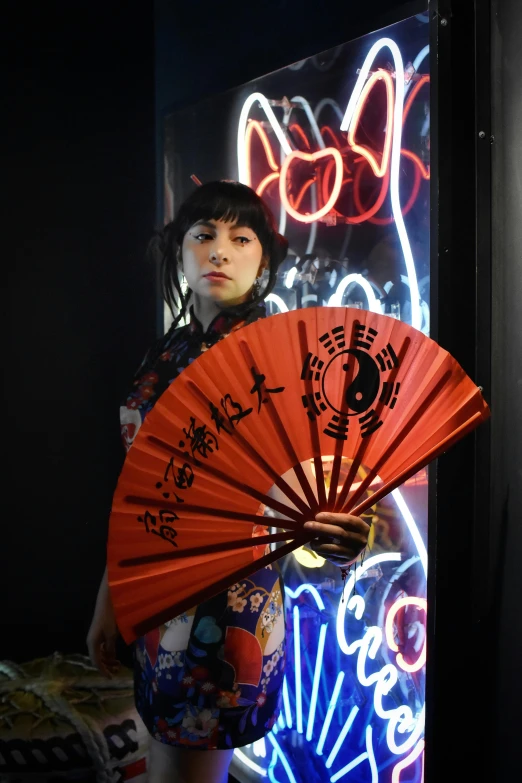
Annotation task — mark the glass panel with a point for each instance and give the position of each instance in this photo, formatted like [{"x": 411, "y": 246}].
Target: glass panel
[{"x": 338, "y": 145}]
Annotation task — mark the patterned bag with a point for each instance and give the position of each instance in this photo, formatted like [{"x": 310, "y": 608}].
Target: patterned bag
[{"x": 60, "y": 720}]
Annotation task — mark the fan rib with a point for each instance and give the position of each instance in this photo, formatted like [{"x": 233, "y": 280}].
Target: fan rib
[
  {"x": 403, "y": 432},
  {"x": 230, "y": 516},
  {"x": 228, "y": 479},
  {"x": 312, "y": 422},
  {"x": 206, "y": 549},
  {"x": 285, "y": 440},
  {"x": 140, "y": 629},
  {"x": 339, "y": 447},
  {"x": 292, "y": 496},
  {"x": 364, "y": 443},
  {"x": 435, "y": 452}
]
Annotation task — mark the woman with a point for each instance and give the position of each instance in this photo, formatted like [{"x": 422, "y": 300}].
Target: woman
[{"x": 210, "y": 679}]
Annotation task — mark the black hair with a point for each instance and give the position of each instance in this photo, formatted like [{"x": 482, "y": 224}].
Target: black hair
[{"x": 219, "y": 200}]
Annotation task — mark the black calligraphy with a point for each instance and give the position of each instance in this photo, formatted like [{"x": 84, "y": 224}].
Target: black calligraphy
[
  {"x": 182, "y": 478},
  {"x": 218, "y": 418},
  {"x": 257, "y": 388},
  {"x": 234, "y": 410},
  {"x": 202, "y": 441},
  {"x": 161, "y": 525}
]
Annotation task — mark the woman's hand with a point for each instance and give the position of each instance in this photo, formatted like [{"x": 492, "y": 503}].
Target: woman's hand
[
  {"x": 103, "y": 633},
  {"x": 340, "y": 537}
]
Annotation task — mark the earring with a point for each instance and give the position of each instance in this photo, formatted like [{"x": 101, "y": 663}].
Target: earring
[{"x": 256, "y": 288}]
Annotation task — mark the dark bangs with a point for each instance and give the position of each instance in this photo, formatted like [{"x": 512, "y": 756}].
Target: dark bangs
[
  {"x": 228, "y": 201},
  {"x": 220, "y": 200}
]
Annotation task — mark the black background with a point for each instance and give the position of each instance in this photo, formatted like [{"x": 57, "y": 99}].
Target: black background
[
  {"x": 87, "y": 85},
  {"x": 79, "y": 302}
]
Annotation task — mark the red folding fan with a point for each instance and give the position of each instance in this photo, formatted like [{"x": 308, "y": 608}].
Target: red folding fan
[{"x": 186, "y": 519}]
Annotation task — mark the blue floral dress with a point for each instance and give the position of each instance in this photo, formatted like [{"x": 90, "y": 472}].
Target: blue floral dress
[{"x": 210, "y": 678}]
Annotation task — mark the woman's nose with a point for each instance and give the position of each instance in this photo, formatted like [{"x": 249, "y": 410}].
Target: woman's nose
[{"x": 217, "y": 256}]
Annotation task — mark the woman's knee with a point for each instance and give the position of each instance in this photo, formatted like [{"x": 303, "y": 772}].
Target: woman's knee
[{"x": 168, "y": 764}]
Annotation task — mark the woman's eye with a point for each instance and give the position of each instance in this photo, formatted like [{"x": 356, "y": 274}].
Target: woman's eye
[
  {"x": 201, "y": 237},
  {"x": 243, "y": 240}
]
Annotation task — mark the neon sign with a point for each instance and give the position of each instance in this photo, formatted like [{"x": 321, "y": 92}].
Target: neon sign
[
  {"x": 385, "y": 166},
  {"x": 353, "y": 697},
  {"x": 312, "y": 156},
  {"x": 401, "y": 726}
]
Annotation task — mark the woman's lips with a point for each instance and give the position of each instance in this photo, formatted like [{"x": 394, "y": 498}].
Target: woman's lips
[{"x": 217, "y": 276}]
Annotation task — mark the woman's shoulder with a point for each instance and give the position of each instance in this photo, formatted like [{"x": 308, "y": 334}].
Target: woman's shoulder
[{"x": 173, "y": 337}]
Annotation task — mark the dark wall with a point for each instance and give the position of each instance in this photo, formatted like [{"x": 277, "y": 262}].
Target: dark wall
[
  {"x": 80, "y": 304},
  {"x": 201, "y": 48},
  {"x": 78, "y": 300},
  {"x": 507, "y": 380}
]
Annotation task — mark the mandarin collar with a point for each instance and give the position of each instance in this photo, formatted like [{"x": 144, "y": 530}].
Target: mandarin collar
[{"x": 226, "y": 321}]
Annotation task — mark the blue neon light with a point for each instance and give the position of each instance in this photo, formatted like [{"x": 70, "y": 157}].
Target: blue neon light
[
  {"x": 317, "y": 678},
  {"x": 329, "y": 713},
  {"x": 286, "y": 703},
  {"x": 297, "y": 672},
  {"x": 283, "y": 758},
  {"x": 368, "y": 754},
  {"x": 311, "y": 589},
  {"x": 340, "y": 739}
]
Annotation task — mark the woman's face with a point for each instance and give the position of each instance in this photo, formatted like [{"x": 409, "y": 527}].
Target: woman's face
[{"x": 221, "y": 261}]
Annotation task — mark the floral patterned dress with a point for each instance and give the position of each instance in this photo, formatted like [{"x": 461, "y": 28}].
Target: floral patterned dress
[{"x": 210, "y": 678}]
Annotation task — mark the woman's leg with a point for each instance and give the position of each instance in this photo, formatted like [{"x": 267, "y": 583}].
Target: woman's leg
[{"x": 168, "y": 764}]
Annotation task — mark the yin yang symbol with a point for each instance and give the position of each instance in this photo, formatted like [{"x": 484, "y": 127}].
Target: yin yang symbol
[{"x": 364, "y": 382}]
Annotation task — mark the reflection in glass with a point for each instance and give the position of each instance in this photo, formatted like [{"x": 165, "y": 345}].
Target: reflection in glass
[{"x": 339, "y": 147}]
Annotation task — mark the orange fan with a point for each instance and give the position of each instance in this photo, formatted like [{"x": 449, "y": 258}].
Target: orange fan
[{"x": 240, "y": 426}]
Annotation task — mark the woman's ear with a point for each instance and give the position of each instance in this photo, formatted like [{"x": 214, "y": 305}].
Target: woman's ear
[
  {"x": 179, "y": 258},
  {"x": 262, "y": 266}
]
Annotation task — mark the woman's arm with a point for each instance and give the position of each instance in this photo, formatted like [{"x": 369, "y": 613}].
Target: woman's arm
[{"x": 103, "y": 632}]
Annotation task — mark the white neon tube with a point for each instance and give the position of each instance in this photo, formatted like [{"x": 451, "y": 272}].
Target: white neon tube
[
  {"x": 277, "y": 301},
  {"x": 241, "y": 130},
  {"x": 417, "y": 61},
  {"x": 426, "y": 126},
  {"x": 290, "y": 277},
  {"x": 398, "y": 572},
  {"x": 412, "y": 527},
  {"x": 328, "y": 102},
  {"x": 403, "y": 763},
  {"x": 311, "y": 119},
  {"x": 368, "y": 563},
  {"x": 395, "y": 166},
  {"x": 259, "y": 748},
  {"x": 313, "y": 226},
  {"x": 282, "y": 210},
  {"x": 336, "y": 299},
  {"x": 412, "y": 738},
  {"x": 250, "y": 764}
]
